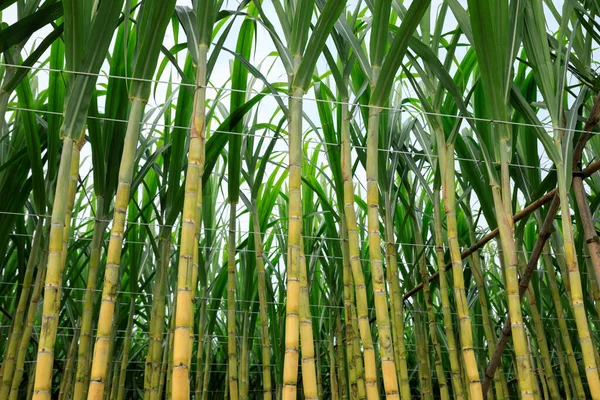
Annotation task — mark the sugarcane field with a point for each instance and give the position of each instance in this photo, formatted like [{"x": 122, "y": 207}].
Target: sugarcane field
[{"x": 299, "y": 199}]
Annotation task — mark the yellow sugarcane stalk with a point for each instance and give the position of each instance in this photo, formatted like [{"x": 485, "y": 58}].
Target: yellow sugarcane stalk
[
  {"x": 485, "y": 314},
  {"x": 466, "y": 334},
  {"x": 292, "y": 324},
  {"x": 309, "y": 376},
  {"x": 183, "y": 312},
  {"x": 45, "y": 359},
  {"x": 101, "y": 355},
  {"x": 370, "y": 366},
  {"x": 585, "y": 339},
  {"x": 562, "y": 324},
  {"x": 386, "y": 349}
]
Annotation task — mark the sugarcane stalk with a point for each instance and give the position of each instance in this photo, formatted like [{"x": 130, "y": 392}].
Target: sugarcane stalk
[
  {"x": 422, "y": 353},
  {"x": 243, "y": 372},
  {"x": 309, "y": 375},
  {"x": 65, "y": 384},
  {"x": 437, "y": 352},
  {"x": 169, "y": 384},
  {"x": 585, "y": 339},
  {"x": 488, "y": 329},
  {"x": 446, "y": 160},
  {"x": 386, "y": 350},
  {"x": 543, "y": 235},
  {"x": 9, "y": 360},
  {"x": 206, "y": 371},
  {"x": 542, "y": 344},
  {"x": 43, "y": 374},
  {"x": 262, "y": 300},
  {"x": 201, "y": 339},
  {"x": 292, "y": 324},
  {"x": 126, "y": 349},
  {"x": 195, "y": 170},
  {"x": 164, "y": 370},
  {"x": 157, "y": 319},
  {"x": 339, "y": 357},
  {"x": 85, "y": 337},
  {"x": 29, "y": 321},
  {"x": 348, "y": 312},
  {"x": 333, "y": 375},
  {"x": 455, "y": 369},
  {"x": 396, "y": 304},
  {"x": 502, "y": 206},
  {"x": 370, "y": 365},
  {"x": 231, "y": 324},
  {"x": 101, "y": 353},
  {"x": 525, "y": 212}
]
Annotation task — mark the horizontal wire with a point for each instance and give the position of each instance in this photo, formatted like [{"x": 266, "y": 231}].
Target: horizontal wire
[
  {"x": 224, "y": 228},
  {"x": 287, "y": 96},
  {"x": 412, "y": 310},
  {"x": 275, "y": 252},
  {"x": 306, "y": 141}
]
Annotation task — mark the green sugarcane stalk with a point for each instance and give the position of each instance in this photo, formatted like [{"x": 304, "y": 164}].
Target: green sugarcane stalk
[
  {"x": 396, "y": 303},
  {"x": 126, "y": 350},
  {"x": 101, "y": 355},
  {"x": 85, "y": 337},
  {"x": 350, "y": 336},
  {"x": 585, "y": 339},
  {"x": 67, "y": 377},
  {"x": 372, "y": 391},
  {"x": 183, "y": 312},
  {"x": 446, "y": 159},
  {"x": 10, "y": 356},
  {"x": 262, "y": 300},
  {"x": 29, "y": 322},
  {"x": 420, "y": 249},
  {"x": 455, "y": 369},
  {"x": 157, "y": 319}
]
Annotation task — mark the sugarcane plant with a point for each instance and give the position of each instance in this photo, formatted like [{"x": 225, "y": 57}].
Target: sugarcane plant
[{"x": 299, "y": 199}]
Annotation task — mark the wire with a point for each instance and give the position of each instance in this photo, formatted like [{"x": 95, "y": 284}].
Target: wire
[
  {"x": 314, "y": 145},
  {"x": 286, "y": 96}
]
